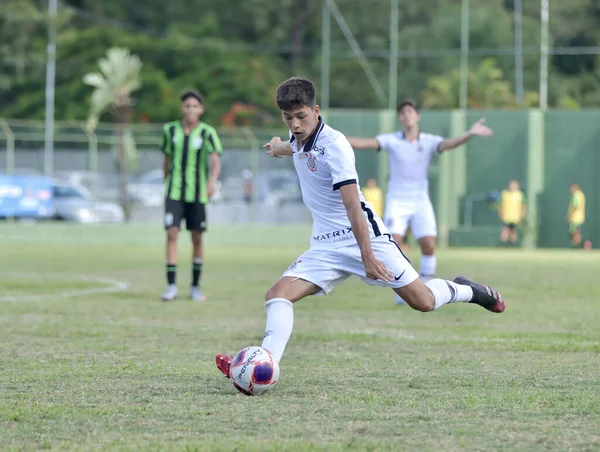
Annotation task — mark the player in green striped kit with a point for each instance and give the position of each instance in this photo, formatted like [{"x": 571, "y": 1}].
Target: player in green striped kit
[{"x": 192, "y": 165}]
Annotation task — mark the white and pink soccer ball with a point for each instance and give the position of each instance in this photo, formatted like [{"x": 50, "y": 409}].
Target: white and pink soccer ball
[{"x": 254, "y": 371}]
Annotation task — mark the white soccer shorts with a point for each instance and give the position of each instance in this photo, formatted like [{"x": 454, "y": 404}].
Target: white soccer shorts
[
  {"x": 327, "y": 268},
  {"x": 416, "y": 212}
]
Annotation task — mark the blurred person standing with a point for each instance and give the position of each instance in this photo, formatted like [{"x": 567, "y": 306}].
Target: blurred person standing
[
  {"x": 191, "y": 166},
  {"x": 576, "y": 214},
  {"x": 247, "y": 186},
  {"x": 374, "y": 195},
  {"x": 512, "y": 209},
  {"x": 407, "y": 203}
]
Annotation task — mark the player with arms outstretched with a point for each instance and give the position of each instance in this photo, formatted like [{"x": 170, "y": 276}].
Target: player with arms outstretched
[
  {"x": 407, "y": 203},
  {"x": 348, "y": 238}
]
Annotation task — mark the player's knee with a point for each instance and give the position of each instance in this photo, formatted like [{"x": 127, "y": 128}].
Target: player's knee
[
  {"x": 172, "y": 234},
  {"x": 273, "y": 292},
  {"x": 425, "y": 303},
  {"x": 421, "y": 300},
  {"x": 428, "y": 247},
  {"x": 196, "y": 238}
]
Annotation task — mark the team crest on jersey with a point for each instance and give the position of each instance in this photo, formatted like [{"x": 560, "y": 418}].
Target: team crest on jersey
[
  {"x": 311, "y": 162},
  {"x": 294, "y": 264},
  {"x": 198, "y": 142}
]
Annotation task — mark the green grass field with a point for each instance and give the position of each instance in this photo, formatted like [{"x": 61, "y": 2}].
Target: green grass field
[{"x": 120, "y": 370}]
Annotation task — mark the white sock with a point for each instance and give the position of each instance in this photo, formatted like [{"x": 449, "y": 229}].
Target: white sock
[
  {"x": 427, "y": 267},
  {"x": 197, "y": 260},
  {"x": 280, "y": 322},
  {"x": 449, "y": 292}
]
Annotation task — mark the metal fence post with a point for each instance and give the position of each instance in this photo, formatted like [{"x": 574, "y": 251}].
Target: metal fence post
[
  {"x": 10, "y": 146},
  {"x": 254, "y": 153},
  {"x": 92, "y": 149},
  {"x": 535, "y": 174},
  {"x": 92, "y": 157}
]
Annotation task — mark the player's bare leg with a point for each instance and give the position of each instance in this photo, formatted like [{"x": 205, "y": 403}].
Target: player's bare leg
[
  {"x": 576, "y": 239},
  {"x": 172, "y": 236},
  {"x": 280, "y": 317},
  {"x": 171, "y": 252},
  {"x": 399, "y": 240},
  {"x": 417, "y": 295},
  {"x": 197, "y": 254},
  {"x": 514, "y": 236},
  {"x": 292, "y": 289},
  {"x": 435, "y": 293},
  {"x": 504, "y": 234},
  {"x": 428, "y": 260}
]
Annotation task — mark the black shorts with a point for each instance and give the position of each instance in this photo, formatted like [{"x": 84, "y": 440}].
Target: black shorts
[
  {"x": 511, "y": 226},
  {"x": 194, "y": 214}
]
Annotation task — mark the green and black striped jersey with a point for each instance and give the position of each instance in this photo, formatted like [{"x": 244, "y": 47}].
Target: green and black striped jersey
[{"x": 187, "y": 156}]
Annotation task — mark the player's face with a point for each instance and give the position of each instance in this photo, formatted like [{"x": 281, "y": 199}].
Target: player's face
[
  {"x": 191, "y": 109},
  {"x": 513, "y": 186},
  {"x": 408, "y": 117},
  {"x": 301, "y": 121}
]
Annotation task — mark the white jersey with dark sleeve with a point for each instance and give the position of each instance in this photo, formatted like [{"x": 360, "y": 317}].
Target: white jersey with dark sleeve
[
  {"x": 409, "y": 161},
  {"x": 324, "y": 165}
]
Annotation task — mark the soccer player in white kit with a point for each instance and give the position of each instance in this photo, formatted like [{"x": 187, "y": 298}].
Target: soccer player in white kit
[
  {"x": 407, "y": 202},
  {"x": 348, "y": 238}
]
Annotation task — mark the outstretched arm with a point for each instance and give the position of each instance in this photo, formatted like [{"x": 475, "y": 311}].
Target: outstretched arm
[
  {"x": 215, "y": 171},
  {"x": 477, "y": 129},
  {"x": 363, "y": 143},
  {"x": 277, "y": 148},
  {"x": 374, "y": 268}
]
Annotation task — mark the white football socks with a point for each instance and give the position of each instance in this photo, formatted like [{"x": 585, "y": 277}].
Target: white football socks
[
  {"x": 449, "y": 292},
  {"x": 427, "y": 267},
  {"x": 280, "y": 322}
]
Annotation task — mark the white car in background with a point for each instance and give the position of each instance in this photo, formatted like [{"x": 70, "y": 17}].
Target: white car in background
[
  {"x": 76, "y": 204},
  {"x": 148, "y": 189},
  {"x": 102, "y": 186}
]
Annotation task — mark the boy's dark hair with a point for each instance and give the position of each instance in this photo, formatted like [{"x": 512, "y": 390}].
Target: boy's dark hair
[
  {"x": 191, "y": 93},
  {"x": 406, "y": 103},
  {"x": 296, "y": 92}
]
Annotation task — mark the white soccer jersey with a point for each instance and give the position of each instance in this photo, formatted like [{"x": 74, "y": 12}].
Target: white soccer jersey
[
  {"x": 324, "y": 165},
  {"x": 409, "y": 162}
]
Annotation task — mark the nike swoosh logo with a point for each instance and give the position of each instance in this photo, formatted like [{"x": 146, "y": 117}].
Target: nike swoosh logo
[{"x": 400, "y": 276}]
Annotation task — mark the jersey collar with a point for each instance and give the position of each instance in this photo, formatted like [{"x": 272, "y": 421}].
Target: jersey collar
[
  {"x": 312, "y": 140},
  {"x": 403, "y": 138}
]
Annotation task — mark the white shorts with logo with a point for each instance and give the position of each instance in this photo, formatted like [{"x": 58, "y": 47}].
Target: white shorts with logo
[
  {"x": 327, "y": 268},
  {"x": 409, "y": 210}
]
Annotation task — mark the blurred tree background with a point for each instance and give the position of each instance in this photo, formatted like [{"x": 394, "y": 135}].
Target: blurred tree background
[{"x": 237, "y": 52}]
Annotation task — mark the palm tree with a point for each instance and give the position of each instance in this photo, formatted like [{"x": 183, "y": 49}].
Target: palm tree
[{"x": 118, "y": 77}]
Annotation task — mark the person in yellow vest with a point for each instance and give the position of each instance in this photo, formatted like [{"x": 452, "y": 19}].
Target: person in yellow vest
[
  {"x": 511, "y": 209},
  {"x": 374, "y": 195},
  {"x": 576, "y": 214}
]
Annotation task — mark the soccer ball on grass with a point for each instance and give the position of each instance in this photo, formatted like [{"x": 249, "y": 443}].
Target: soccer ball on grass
[{"x": 254, "y": 371}]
